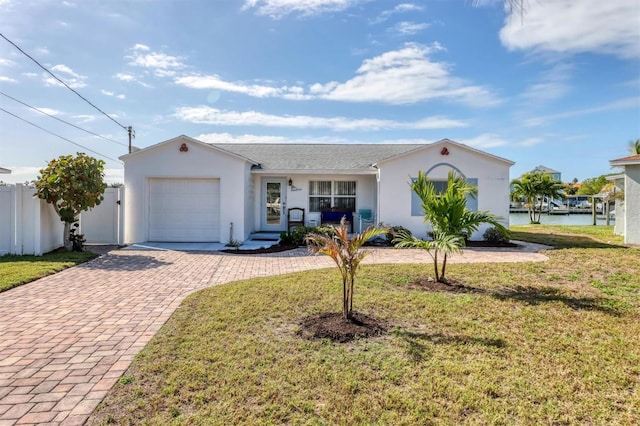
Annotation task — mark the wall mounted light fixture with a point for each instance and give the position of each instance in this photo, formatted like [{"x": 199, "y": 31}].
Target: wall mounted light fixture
[{"x": 290, "y": 182}]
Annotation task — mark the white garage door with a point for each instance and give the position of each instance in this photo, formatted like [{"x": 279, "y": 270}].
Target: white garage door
[{"x": 184, "y": 210}]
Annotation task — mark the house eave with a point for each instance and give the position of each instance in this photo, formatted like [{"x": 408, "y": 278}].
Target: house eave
[
  {"x": 622, "y": 163},
  {"x": 372, "y": 171},
  {"x": 186, "y": 139},
  {"x": 447, "y": 141}
]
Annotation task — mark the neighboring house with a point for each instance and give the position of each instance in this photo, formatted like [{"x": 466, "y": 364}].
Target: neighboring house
[
  {"x": 555, "y": 175},
  {"x": 628, "y": 211},
  {"x": 4, "y": 171},
  {"x": 187, "y": 190}
]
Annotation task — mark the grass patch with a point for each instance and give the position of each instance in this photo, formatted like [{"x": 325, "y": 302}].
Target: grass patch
[
  {"x": 18, "y": 270},
  {"x": 535, "y": 343},
  {"x": 568, "y": 236}
]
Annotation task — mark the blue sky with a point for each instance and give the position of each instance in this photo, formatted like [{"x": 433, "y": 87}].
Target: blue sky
[{"x": 557, "y": 86}]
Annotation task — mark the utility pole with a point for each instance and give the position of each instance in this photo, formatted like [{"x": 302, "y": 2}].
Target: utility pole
[{"x": 132, "y": 134}]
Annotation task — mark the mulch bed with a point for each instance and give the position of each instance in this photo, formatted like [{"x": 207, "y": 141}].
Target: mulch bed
[
  {"x": 284, "y": 247},
  {"x": 263, "y": 250},
  {"x": 335, "y": 328}
]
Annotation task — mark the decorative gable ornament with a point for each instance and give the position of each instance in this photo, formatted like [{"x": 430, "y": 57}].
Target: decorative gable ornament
[
  {"x": 444, "y": 151},
  {"x": 184, "y": 148}
]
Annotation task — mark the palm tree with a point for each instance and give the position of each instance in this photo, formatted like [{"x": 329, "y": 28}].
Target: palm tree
[
  {"x": 441, "y": 243},
  {"x": 634, "y": 147},
  {"x": 451, "y": 222},
  {"x": 533, "y": 188},
  {"x": 346, "y": 253}
]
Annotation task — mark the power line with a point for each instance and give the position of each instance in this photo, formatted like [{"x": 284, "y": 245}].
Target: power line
[
  {"x": 62, "y": 82},
  {"x": 56, "y": 135},
  {"x": 61, "y": 120}
]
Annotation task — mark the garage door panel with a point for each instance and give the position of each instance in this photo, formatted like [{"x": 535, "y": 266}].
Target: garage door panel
[{"x": 184, "y": 210}]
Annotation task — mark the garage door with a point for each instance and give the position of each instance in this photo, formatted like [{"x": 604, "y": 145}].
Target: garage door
[{"x": 184, "y": 210}]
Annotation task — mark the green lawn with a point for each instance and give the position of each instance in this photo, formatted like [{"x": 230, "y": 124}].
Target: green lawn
[
  {"x": 18, "y": 270},
  {"x": 535, "y": 343}
]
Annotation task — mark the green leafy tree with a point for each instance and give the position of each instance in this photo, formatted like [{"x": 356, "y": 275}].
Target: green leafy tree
[
  {"x": 592, "y": 186},
  {"x": 347, "y": 253},
  {"x": 71, "y": 185},
  {"x": 534, "y": 188},
  {"x": 451, "y": 222},
  {"x": 634, "y": 147}
]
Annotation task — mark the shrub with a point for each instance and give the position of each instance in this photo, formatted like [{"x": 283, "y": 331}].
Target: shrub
[
  {"x": 495, "y": 235},
  {"x": 297, "y": 235},
  {"x": 394, "y": 231}
]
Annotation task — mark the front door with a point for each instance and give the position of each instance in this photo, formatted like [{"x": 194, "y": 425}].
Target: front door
[{"x": 274, "y": 192}]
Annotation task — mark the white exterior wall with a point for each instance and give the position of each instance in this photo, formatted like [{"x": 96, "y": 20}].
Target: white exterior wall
[
  {"x": 365, "y": 193},
  {"x": 396, "y": 174},
  {"x": 250, "y": 203},
  {"x": 167, "y": 161},
  {"x": 632, "y": 204},
  {"x": 28, "y": 225}
]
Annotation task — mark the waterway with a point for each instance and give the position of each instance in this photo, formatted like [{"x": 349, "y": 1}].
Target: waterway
[{"x": 567, "y": 219}]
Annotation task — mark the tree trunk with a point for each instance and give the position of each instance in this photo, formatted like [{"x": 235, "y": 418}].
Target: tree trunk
[
  {"x": 66, "y": 237},
  {"x": 444, "y": 269},
  {"x": 345, "y": 300}
]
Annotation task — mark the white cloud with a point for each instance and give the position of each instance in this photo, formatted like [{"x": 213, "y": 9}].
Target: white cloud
[
  {"x": 400, "y": 8},
  {"x": 247, "y": 138},
  {"x": 161, "y": 64},
  {"x": 142, "y": 47},
  {"x": 6, "y": 62},
  {"x": 403, "y": 76},
  {"x": 215, "y": 82},
  {"x": 6, "y": 79},
  {"x": 492, "y": 140},
  {"x": 110, "y": 93},
  {"x": 42, "y": 51},
  {"x": 570, "y": 26},
  {"x": 277, "y": 9},
  {"x": 30, "y": 74},
  {"x": 626, "y": 103},
  {"x": 124, "y": 77},
  {"x": 552, "y": 85},
  {"x": 130, "y": 79},
  {"x": 67, "y": 75},
  {"x": 214, "y": 116},
  {"x": 85, "y": 118},
  {"x": 409, "y": 28},
  {"x": 485, "y": 140},
  {"x": 156, "y": 60},
  {"x": 406, "y": 76},
  {"x": 50, "y": 111}
]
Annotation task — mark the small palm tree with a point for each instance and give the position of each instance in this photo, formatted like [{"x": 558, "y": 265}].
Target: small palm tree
[
  {"x": 634, "y": 147},
  {"x": 441, "y": 244},
  {"x": 451, "y": 222},
  {"x": 347, "y": 253}
]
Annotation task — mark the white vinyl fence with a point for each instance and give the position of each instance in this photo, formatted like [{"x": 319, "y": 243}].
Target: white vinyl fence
[{"x": 29, "y": 225}]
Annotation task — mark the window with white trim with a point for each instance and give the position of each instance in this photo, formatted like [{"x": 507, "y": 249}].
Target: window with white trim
[
  {"x": 440, "y": 187},
  {"x": 325, "y": 194}
]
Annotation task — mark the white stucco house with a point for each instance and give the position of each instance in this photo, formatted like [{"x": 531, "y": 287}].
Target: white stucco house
[
  {"x": 628, "y": 210},
  {"x": 185, "y": 190}
]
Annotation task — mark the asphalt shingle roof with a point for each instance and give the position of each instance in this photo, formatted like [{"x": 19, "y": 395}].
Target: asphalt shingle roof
[{"x": 318, "y": 156}]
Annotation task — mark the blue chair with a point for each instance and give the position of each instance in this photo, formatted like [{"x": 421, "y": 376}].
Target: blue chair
[{"x": 365, "y": 217}]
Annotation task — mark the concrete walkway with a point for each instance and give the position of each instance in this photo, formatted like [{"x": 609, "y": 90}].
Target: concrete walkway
[{"x": 66, "y": 339}]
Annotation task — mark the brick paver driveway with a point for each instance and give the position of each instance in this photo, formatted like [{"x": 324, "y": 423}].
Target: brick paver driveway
[{"x": 67, "y": 338}]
